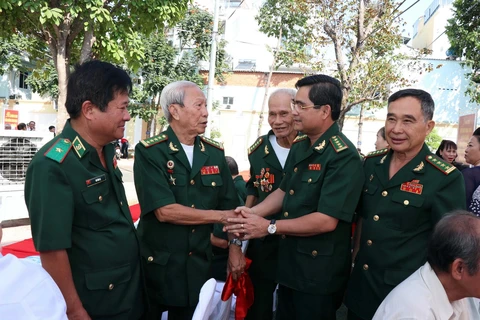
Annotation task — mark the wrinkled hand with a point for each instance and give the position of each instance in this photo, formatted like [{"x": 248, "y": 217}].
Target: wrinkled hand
[
  {"x": 248, "y": 226},
  {"x": 236, "y": 261},
  {"x": 227, "y": 214},
  {"x": 78, "y": 314}
]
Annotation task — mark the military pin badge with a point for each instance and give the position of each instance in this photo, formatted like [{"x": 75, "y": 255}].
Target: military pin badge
[{"x": 170, "y": 166}]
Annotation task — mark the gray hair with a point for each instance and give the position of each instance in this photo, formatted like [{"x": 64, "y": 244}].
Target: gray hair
[
  {"x": 455, "y": 236},
  {"x": 426, "y": 101},
  {"x": 173, "y": 93},
  {"x": 290, "y": 92}
]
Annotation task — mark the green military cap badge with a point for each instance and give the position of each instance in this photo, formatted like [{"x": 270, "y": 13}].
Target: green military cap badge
[
  {"x": 154, "y": 140},
  {"x": 78, "y": 147},
  {"x": 59, "y": 150},
  {"x": 212, "y": 142},
  {"x": 440, "y": 164},
  {"x": 255, "y": 145},
  {"x": 380, "y": 152},
  {"x": 338, "y": 144},
  {"x": 300, "y": 137}
]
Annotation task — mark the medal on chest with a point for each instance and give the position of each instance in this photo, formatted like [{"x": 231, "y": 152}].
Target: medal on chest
[{"x": 413, "y": 187}]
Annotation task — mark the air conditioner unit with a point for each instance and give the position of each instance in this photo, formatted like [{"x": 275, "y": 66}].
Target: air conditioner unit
[{"x": 17, "y": 149}]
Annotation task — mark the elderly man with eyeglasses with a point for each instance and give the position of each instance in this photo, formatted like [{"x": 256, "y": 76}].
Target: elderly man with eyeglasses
[{"x": 317, "y": 199}]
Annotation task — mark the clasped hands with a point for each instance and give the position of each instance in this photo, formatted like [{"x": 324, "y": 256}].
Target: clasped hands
[{"x": 245, "y": 224}]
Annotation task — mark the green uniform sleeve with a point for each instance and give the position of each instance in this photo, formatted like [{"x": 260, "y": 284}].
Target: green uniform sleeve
[
  {"x": 229, "y": 198},
  {"x": 342, "y": 187},
  {"x": 50, "y": 202},
  {"x": 151, "y": 183},
  {"x": 449, "y": 196}
]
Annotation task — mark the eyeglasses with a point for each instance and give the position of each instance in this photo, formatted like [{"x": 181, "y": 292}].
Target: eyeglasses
[{"x": 295, "y": 105}]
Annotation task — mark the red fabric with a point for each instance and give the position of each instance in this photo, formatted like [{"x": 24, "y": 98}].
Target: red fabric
[
  {"x": 26, "y": 248},
  {"x": 243, "y": 290}
]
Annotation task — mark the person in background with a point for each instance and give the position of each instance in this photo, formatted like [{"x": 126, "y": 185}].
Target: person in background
[
  {"x": 22, "y": 126},
  {"x": 124, "y": 148},
  {"x": 407, "y": 191},
  {"x": 8, "y": 126},
  {"x": 237, "y": 179},
  {"x": 381, "y": 142},
  {"x": 27, "y": 291},
  {"x": 79, "y": 214},
  {"x": 52, "y": 129},
  {"x": 472, "y": 175},
  {"x": 31, "y": 126},
  {"x": 438, "y": 290},
  {"x": 448, "y": 152},
  {"x": 267, "y": 157}
]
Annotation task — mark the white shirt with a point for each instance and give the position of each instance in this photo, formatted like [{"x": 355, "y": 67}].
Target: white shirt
[
  {"x": 281, "y": 152},
  {"x": 422, "y": 297},
  {"x": 27, "y": 292},
  {"x": 189, "y": 152}
]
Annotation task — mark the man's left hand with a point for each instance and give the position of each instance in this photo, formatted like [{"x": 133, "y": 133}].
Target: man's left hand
[
  {"x": 236, "y": 261},
  {"x": 250, "y": 226}
]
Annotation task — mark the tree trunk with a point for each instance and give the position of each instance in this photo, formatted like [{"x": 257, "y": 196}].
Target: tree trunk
[
  {"x": 63, "y": 69},
  {"x": 87, "y": 45}
]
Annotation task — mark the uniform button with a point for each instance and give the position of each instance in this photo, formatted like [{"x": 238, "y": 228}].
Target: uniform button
[
  {"x": 213, "y": 184},
  {"x": 376, "y": 218},
  {"x": 192, "y": 182},
  {"x": 100, "y": 198},
  {"x": 190, "y": 253},
  {"x": 283, "y": 236},
  {"x": 406, "y": 202},
  {"x": 284, "y": 174},
  {"x": 314, "y": 253},
  {"x": 365, "y": 267},
  {"x": 295, "y": 169},
  {"x": 369, "y": 242},
  {"x": 291, "y": 192},
  {"x": 285, "y": 214},
  {"x": 309, "y": 180},
  {"x": 121, "y": 203},
  {"x": 110, "y": 286},
  {"x": 193, "y": 206},
  {"x": 150, "y": 259},
  {"x": 366, "y": 190},
  {"x": 193, "y": 230},
  {"x": 384, "y": 193}
]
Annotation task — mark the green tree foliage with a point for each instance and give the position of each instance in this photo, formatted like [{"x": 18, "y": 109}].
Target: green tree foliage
[
  {"x": 463, "y": 31},
  {"x": 44, "y": 80},
  {"x": 77, "y": 30},
  {"x": 433, "y": 140}
]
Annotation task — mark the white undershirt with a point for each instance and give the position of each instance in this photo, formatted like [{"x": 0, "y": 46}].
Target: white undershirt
[
  {"x": 281, "y": 152},
  {"x": 189, "y": 152}
]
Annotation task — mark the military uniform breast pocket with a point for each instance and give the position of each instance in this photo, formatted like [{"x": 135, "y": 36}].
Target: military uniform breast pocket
[
  {"x": 96, "y": 206},
  {"x": 313, "y": 256},
  {"x": 408, "y": 210},
  {"x": 370, "y": 189}
]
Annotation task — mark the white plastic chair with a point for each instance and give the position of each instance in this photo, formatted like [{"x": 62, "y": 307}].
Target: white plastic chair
[{"x": 205, "y": 304}]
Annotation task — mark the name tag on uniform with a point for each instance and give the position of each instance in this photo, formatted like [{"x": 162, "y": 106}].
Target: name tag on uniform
[
  {"x": 314, "y": 166},
  {"x": 209, "y": 170},
  {"x": 96, "y": 180},
  {"x": 412, "y": 187}
]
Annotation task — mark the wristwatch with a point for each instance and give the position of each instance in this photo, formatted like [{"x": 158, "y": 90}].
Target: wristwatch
[
  {"x": 235, "y": 241},
  {"x": 272, "y": 227}
]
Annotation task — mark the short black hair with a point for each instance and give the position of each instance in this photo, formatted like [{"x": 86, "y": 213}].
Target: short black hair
[
  {"x": 455, "y": 236},
  {"x": 476, "y": 132},
  {"x": 426, "y": 101},
  {"x": 21, "y": 126},
  {"x": 97, "y": 82},
  {"x": 324, "y": 90},
  {"x": 232, "y": 165},
  {"x": 445, "y": 145},
  {"x": 51, "y": 127}
]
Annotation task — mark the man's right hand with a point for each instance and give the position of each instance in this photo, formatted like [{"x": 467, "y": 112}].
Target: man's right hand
[
  {"x": 227, "y": 214},
  {"x": 78, "y": 314}
]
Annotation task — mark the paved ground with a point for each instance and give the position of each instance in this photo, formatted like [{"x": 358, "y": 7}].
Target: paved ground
[{"x": 15, "y": 234}]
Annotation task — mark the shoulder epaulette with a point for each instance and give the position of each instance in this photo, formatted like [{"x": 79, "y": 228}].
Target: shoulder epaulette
[
  {"x": 59, "y": 150},
  {"x": 338, "y": 144},
  {"x": 154, "y": 140},
  {"x": 300, "y": 137},
  {"x": 440, "y": 164},
  {"x": 376, "y": 153},
  {"x": 255, "y": 145},
  {"x": 212, "y": 142}
]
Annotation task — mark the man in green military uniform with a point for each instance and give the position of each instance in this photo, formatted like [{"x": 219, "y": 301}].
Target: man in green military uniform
[
  {"x": 240, "y": 184},
  {"x": 407, "y": 191},
  {"x": 267, "y": 158},
  {"x": 81, "y": 223},
  {"x": 320, "y": 191},
  {"x": 184, "y": 187}
]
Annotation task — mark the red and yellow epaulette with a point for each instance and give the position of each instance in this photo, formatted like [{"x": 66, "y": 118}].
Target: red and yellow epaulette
[
  {"x": 300, "y": 137},
  {"x": 59, "y": 150},
  {"x": 338, "y": 144},
  {"x": 440, "y": 164},
  {"x": 255, "y": 145},
  {"x": 380, "y": 152},
  {"x": 212, "y": 142},
  {"x": 154, "y": 140}
]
